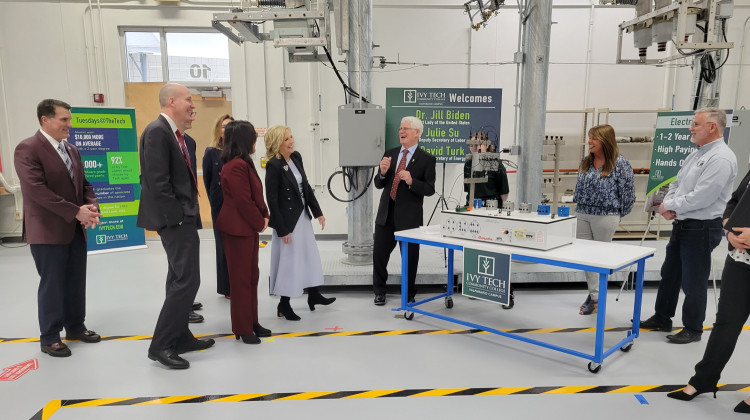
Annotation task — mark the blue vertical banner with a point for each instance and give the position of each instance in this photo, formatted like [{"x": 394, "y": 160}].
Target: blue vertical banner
[
  {"x": 450, "y": 117},
  {"x": 108, "y": 143}
]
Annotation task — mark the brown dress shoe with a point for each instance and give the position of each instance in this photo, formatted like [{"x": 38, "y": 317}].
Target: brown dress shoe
[
  {"x": 58, "y": 349},
  {"x": 85, "y": 337}
]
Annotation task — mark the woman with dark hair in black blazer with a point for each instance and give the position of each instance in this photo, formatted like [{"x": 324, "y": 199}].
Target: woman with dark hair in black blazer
[
  {"x": 212, "y": 165},
  {"x": 242, "y": 217},
  {"x": 734, "y": 309},
  {"x": 295, "y": 260}
]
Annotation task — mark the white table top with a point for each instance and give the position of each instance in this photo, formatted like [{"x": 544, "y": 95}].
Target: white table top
[{"x": 591, "y": 253}]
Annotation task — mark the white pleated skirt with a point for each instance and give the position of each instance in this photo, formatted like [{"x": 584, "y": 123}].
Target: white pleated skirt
[{"x": 296, "y": 265}]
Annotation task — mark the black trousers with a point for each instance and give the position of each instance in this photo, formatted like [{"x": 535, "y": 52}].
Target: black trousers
[
  {"x": 734, "y": 309},
  {"x": 181, "y": 243},
  {"x": 385, "y": 241},
  {"x": 61, "y": 298},
  {"x": 222, "y": 272}
]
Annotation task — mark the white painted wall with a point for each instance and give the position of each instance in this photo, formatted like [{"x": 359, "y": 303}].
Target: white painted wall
[{"x": 59, "y": 49}]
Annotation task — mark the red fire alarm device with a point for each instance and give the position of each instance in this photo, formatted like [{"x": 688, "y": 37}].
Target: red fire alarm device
[{"x": 99, "y": 98}]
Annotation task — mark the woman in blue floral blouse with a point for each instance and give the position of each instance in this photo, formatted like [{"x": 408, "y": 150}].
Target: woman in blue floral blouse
[{"x": 604, "y": 193}]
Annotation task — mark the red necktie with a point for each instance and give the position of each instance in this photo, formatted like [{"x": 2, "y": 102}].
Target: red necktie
[
  {"x": 187, "y": 157},
  {"x": 401, "y": 167}
]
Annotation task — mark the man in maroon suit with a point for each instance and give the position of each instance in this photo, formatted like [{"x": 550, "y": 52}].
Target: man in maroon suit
[{"x": 58, "y": 205}]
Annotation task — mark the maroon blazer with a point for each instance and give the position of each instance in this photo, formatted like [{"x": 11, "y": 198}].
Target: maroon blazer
[
  {"x": 243, "y": 210},
  {"x": 51, "y": 199}
]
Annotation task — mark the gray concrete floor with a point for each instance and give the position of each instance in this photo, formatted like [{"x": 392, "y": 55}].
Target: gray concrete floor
[{"x": 125, "y": 291}]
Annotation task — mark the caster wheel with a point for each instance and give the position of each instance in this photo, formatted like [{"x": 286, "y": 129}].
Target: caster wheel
[
  {"x": 409, "y": 316},
  {"x": 626, "y": 348},
  {"x": 448, "y": 302},
  {"x": 594, "y": 367}
]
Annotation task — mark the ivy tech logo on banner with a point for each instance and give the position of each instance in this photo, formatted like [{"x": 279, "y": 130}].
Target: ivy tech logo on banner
[
  {"x": 486, "y": 265},
  {"x": 487, "y": 276},
  {"x": 410, "y": 96}
]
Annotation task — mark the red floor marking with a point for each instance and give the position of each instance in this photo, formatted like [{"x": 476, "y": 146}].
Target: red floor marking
[
  {"x": 336, "y": 328},
  {"x": 11, "y": 373}
]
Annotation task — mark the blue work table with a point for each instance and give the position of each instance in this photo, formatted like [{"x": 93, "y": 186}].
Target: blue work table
[{"x": 604, "y": 258}]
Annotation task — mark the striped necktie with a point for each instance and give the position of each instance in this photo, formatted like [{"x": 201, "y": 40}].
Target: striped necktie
[{"x": 66, "y": 158}]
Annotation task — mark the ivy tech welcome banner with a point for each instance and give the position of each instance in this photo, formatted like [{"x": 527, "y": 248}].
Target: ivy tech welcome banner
[
  {"x": 450, "y": 117},
  {"x": 107, "y": 141}
]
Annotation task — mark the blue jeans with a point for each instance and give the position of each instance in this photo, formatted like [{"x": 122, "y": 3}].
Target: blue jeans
[{"x": 687, "y": 264}]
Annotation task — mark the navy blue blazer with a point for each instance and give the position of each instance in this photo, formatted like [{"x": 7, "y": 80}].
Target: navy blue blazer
[
  {"x": 283, "y": 196},
  {"x": 407, "y": 207},
  {"x": 168, "y": 191}
]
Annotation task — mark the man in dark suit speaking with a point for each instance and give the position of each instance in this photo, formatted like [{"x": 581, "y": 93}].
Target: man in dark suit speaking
[
  {"x": 58, "y": 205},
  {"x": 407, "y": 176},
  {"x": 169, "y": 205}
]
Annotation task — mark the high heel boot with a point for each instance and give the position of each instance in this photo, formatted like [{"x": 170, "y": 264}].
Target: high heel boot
[
  {"x": 315, "y": 298},
  {"x": 285, "y": 309},
  {"x": 248, "y": 338},
  {"x": 682, "y": 396},
  {"x": 260, "y": 331}
]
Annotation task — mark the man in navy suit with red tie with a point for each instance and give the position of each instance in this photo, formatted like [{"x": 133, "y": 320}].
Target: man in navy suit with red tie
[
  {"x": 407, "y": 176},
  {"x": 58, "y": 205},
  {"x": 169, "y": 205}
]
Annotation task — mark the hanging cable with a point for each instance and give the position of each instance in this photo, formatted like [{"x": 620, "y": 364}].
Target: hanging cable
[{"x": 350, "y": 175}]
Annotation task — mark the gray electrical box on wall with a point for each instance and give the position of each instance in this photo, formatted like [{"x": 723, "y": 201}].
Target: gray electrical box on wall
[{"x": 361, "y": 134}]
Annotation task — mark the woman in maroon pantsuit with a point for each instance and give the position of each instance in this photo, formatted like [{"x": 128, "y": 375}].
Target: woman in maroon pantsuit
[{"x": 243, "y": 215}]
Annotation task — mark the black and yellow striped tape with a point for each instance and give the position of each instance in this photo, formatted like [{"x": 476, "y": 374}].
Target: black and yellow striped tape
[
  {"x": 366, "y": 333},
  {"x": 53, "y": 406}
]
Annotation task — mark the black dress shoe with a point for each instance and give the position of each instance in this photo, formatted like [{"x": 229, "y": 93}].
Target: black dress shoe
[
  {"x": 58, "y": 349},
  {"x": 196, "y": 345},
  {"x": 654, "y": 324},
  {"x": 379, "y": 299},
  {"x": 194, "y": 318},
  {"x": 260, "y": 331},
  {"x": 684, "y": 337},
  {"x": 169, "y": 359},
  {"x": 197, "y": 306},
  {"x": 742, "y": 407},
  {"x": 85, "y": 336}
]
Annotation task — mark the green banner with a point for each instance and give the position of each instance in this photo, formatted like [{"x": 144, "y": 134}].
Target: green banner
[
  {"x": 96, "y": 120},
  {"x": 450, "y": 116},
  {"x": 487, "y": 276},
  {"x": 106, "y": 139},
  {"x": 672, "y": 144}
]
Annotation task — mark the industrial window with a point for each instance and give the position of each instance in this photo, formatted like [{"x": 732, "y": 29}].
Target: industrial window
[{"x": 185, "y": 56}]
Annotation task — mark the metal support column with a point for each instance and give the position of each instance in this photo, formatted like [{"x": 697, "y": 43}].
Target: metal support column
[
  {"x": 359, "y": 242},
  {"x": 536, "y": 39}
]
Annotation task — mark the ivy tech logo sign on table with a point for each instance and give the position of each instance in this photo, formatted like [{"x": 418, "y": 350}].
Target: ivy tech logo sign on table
[{"x": 487, "y": 275}]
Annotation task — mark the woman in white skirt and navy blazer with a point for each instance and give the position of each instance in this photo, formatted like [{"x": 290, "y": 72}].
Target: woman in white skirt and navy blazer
[{"x": 295, "y": 260}]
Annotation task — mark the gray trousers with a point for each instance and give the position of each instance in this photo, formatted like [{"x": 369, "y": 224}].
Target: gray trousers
[{"x": 597, "y": 228}]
